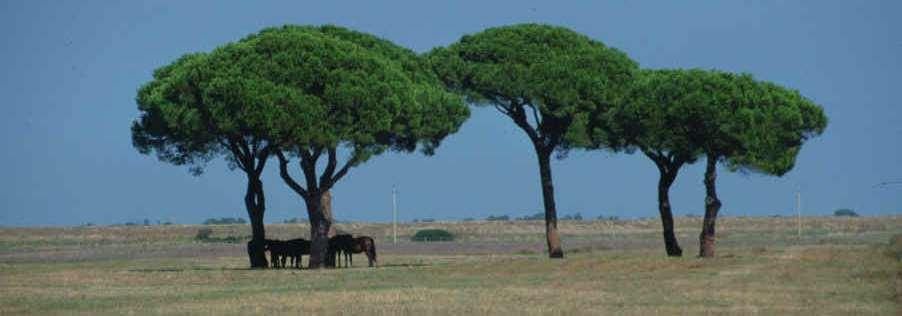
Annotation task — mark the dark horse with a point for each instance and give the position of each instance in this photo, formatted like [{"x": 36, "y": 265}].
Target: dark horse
[
  {"x": 338, "y": 245},
  {"x": 348, "y": 245},
  {"x": 280, "y": 251}
]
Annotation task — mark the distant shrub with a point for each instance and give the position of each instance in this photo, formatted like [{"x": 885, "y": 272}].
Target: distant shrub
[
  {"x": 432, "y": 235},
  {"x": 845, "y": 212},
  {"x": 533, "y": 217},
  {"x": 573, "y": 217},
  {"x": 895, "y": 245},
  {"x": 206, "y": 235},
  {"x": 294, "y": 220},
  {"x": 469, "y": 219},
  {"x": 224, "y": 221},
  {"x": 203, "y": 234},
  {"x": 498, "y": 218}
]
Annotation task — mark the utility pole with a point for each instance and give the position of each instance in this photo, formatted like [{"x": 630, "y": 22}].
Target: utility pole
[
  {"x": 799, "y": 211},
  {"x": 394, "y": 213}
]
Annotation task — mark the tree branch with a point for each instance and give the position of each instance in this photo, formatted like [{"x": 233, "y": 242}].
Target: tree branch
[
  {"x": 239, "y": 155},
  {"x": 519, "y": 117},
  {"x": 535, "y": 114},
  {"x": 308, "y": 166},
  {"x": 326, "y": 178},
  {"x": 657, "y": 157},
  {"x": 283, "y": 172},
  {"x": 501, "y": 109},
  {"x": 263, "y": 156},
  {"x": 343, "y": 171}
]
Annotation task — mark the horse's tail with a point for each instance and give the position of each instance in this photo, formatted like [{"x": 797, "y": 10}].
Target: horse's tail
[{"x": 372, "y": 249}]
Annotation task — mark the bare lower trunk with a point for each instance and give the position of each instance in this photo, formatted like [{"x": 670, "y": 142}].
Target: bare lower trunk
[
  {"x": 319, "y": 231},
  {"x": 327, "y": 212},
  {"x": 255, "y": 203},
  {"x": 551, "y": 232},
  {"x": 712, "y": 206},
  {"x": 670, "y": 241}
]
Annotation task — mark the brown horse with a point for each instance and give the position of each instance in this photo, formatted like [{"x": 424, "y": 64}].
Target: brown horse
[
  {"x": 367, "y": 245},
  {"x": 348, "y": 245}
]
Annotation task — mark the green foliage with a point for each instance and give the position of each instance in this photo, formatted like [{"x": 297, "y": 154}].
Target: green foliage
[
  {"x": 845, "y": 212},
  {"x": 664, "y": 116},
  {"x": 681, "y": 114},
  {"x": 344, "y": 89},
  {"x": 498, "y": 218},
  {"x": 548, "y": 79},
  {"x": 224, "y": 221},
  {"x": 432, "y": 235},
  {"x": 297, "y": 86},
  {"x": 772, "y": 124}
]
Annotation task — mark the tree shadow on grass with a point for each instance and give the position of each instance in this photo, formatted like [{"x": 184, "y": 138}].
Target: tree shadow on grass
[
  {"x": 192, "y": 269},
  {"x": 165, "y": 269},
  {"x": 404, "y": 265}
]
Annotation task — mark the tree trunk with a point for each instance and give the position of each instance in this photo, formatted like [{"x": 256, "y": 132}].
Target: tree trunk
[
  {"x": 670, "y": 242},
  {"x": 327, "y": 211},
  {"x": 319, "y": 230},
  {"x": 712, "y": 205},
  {"x": 254, "y": 202},
  {"x": 551, "y": 233}
]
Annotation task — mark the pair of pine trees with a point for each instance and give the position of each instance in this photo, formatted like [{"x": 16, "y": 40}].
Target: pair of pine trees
[{"x": 299, "y": 93}]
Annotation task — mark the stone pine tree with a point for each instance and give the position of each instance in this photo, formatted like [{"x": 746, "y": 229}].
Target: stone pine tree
[
  {"x": 659, "y": 119},
  {"x": 548, "y": 80},
  {"x": 753, "y": 126},
  {"x": 358, "y": 96},
  {"x": 202, "y": 106}
]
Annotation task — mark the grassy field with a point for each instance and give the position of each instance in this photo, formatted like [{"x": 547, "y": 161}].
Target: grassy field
[{"x": 839, "y": 266}]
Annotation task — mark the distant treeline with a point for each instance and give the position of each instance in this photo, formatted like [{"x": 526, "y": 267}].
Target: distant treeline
[
  {"x": 225, "y": 221},
  {"x": 145, "y": 222}
]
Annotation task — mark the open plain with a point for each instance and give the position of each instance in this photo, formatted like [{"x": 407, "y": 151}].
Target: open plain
[{"x": 839, "y": 266}]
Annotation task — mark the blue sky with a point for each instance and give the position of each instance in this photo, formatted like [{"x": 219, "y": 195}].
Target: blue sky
[{"x": 71, "y": 70}]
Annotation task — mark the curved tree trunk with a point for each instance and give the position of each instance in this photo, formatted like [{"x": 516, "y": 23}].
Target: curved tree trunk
[
  {"x": 319, "y": 230},
  {"x": 551, "y": 232},
  {"x": 670, "y": 241},
  {"x": 255, "y": 202},
  {"x": 712, "y": 206}
]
